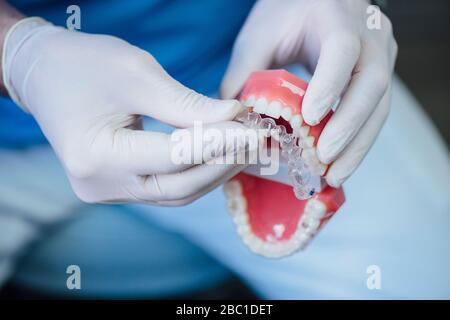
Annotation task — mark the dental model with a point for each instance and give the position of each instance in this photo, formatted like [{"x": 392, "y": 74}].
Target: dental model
[{"x": 277, "y": 217}]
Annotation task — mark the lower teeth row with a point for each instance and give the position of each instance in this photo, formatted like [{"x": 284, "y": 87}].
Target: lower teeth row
[{"x": 299, "y": 172}]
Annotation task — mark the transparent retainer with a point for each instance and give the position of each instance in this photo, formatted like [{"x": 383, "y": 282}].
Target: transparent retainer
[{"x": 299, "y": 173}]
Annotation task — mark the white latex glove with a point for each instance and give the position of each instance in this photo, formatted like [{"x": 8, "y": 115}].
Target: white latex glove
[
  {"x": 88, "y": 92},
  {"x": 350, "y": 61}
]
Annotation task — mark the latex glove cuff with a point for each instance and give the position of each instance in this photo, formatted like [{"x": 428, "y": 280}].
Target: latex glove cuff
[{"x": 15, "y": 38}]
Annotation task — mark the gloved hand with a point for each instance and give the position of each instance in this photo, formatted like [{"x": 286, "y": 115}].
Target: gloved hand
[
  {"x": 349, "y": 60},
  {"x": 88, "y": 92}
]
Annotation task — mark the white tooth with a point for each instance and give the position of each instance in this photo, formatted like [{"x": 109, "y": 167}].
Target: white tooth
[
  {"x": 309, "y": 225},
  {"x": 287, "y": 247},
  {"x": 309, "y": 155},
  {"x": 295, "y": 243},
  {"x": 240, "y": 219},
  {"x": 253, "y": 242},
  {"x": 303, "y": 245},
  {"x": 320, "y": 168},
  {"x": 302, "y": 143},
  {"x": 243, "y": 229},
  {"x": 256, "y": 245},
  {"x": 274, "y": 109},
  {"x": 303, "y": 132},
  {"x": 270, "y": 250},
  {"x": 232, "y": 188},
  {"x": 317, "y": 168},
  {"x": 315, "y": 208},
  {"x": 306, "y": 143},
  {"x": 236, "y": 204},
  {"x": 248, "y": 239},
  {"x": 260, "y": 106},
  {"x": 302, "y": 236},
  {"x": 296, "y": 122},
  {"x": 286, "y": 113},
  {"x": 250, "y": 101}
]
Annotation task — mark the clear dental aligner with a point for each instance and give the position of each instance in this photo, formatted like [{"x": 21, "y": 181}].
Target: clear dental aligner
[
  {"x": 273, "y": 217},
  {"x": 299, "y": 172}
]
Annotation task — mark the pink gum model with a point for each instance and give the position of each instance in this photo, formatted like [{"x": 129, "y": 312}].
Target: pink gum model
[{"x": 270, "y": 218}]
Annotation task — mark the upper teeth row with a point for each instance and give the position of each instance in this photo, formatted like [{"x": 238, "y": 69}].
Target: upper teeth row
[
  {"x": 276, "y": 110},
  {"x": 302, "y": 186},
  {"x": 313, "y": 162}
]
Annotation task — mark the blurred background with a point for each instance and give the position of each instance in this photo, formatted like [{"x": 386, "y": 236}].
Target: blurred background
[{"x": 422, "y": 30}]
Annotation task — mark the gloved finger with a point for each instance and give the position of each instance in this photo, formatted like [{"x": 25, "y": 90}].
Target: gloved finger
[
  {"x": 355, "y": 152},
  {"x": 145, "y": 153},
  {"x": 175, "y": 104},
  {"x": 204, "y": 191},
  {"x": 184, "y": 187},
  {"x": 364, "y": 93},
  {"x": 338, "y": 57}
]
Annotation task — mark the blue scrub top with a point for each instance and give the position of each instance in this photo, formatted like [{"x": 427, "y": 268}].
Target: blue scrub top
[{"x": 192, "y": 39}]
